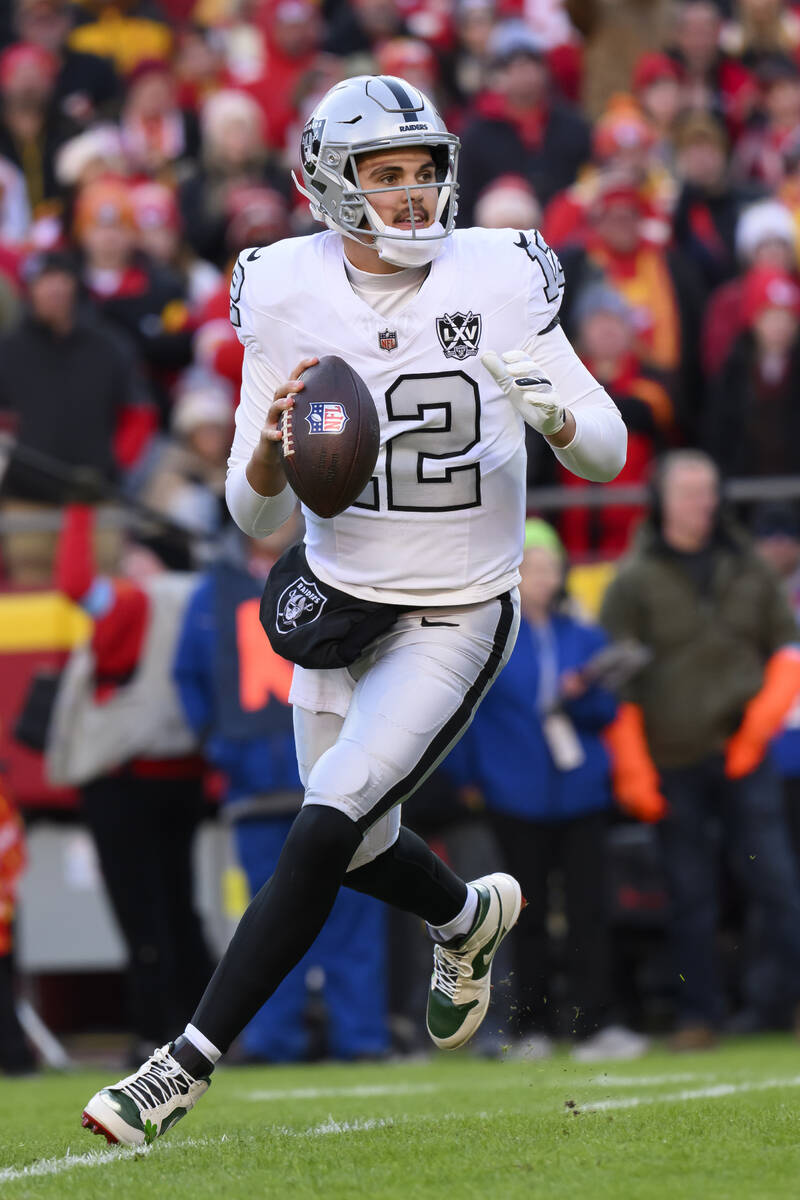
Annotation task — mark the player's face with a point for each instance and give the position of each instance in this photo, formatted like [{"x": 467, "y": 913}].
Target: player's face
[{"x": 398, "y": 170}]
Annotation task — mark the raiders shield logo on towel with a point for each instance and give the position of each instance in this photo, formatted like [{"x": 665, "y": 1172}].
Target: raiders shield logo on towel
[
  {"x": 459, "y": 334},
  {"x": 299, "y": 604}
]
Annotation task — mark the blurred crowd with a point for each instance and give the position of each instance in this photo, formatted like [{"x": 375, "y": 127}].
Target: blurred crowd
[{"x": 656, "y": 144}]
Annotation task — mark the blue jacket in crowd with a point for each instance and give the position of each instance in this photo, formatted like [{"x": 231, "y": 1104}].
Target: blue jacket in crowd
[
  {"x": 505, "y": 753},
  {"x": 254, "y": 748}
]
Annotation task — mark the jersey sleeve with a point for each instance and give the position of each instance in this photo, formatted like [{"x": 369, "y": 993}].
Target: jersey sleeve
[
  {"x": 546, "y": 281},
  {"x": 256, "y": 515}
]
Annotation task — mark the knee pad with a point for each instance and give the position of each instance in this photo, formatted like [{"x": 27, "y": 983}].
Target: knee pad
[{"x": 341, "y": 779}]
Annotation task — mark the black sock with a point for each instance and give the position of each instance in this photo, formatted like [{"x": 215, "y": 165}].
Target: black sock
[
  {"x": 190, "y": 1058},
  {"x": 280, "y": 923},
  {"x": 410, "y": 876}
]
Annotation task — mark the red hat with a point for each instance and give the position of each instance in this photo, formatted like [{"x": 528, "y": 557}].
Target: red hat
[
  {"x": 26, "y": 54},
  {"x": 105, "y": 201},
  {"x": 767, "y": 287},
  {"x": 398, "y": 54},
  {"x": 155, "y": 206},
  {"x": 617, "y": 188},
  {"x": 653, "y": 67},
  {"x": 621, "y": 128}
]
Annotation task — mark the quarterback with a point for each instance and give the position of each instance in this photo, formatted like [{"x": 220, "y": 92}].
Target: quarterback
[{"x": 456, "y": 335}]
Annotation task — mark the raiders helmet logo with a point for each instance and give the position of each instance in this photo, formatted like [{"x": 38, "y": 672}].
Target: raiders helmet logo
[
  {"x": 458, "y": 334},
  {"x": 310, "y": 143},
  {"x": 299, "y": 604}
]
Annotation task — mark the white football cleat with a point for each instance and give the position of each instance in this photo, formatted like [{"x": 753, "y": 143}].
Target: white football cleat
[
  {"x": 460, "y": 989},
  {"x": 143, "y": 1106}
]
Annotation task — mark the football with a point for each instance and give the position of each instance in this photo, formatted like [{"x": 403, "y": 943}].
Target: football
[{"x": 331, "y": 437}]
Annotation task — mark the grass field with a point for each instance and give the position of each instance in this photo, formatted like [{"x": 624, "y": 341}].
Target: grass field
[{"x": 716, "y": 1126}]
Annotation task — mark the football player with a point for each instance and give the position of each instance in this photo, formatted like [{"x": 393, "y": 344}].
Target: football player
[{"x": 419, "y": 310}]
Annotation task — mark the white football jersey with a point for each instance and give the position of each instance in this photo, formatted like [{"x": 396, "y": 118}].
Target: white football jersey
[{"x": 442, "y": 519}]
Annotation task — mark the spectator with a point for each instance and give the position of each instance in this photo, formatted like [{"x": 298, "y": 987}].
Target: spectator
[
  {"x": 144, "y": 299},
  {"x": 156, "y": 133},
  {"x": 752, "y": 418},
  {"x": 690, "y": 745},
  {"x": 293, "y": 34},
  {"x": 233, "y": 156},
  {"x": 186, "y": 479},
  {"x": 713, "y": 81},
  {"x": 606, "y": 335},
  {"x": 519, "y": 124},
  {"x": 765, "y": 237},
  {"x": 235, "y": 690},
  {"x": 86, "y": 85},
  {"x": 709, "y": 204},
  {"x": 623, "y": 143},
  {"x": 15, "y": 212},
  {"x": 467, "y": 66},
  {"x": 760, "y": 153},
  {"x": 760, "y": 30},
  {"x": 72, "y": 385},
  {"x": 160, "y": 238},
  {"x": 359, "y": 28},
  {"x": 15, "y": 1057},
  {"x": 660, "y": 285},
  {"x": 126, "y": 31},
  {"x": 119, "y": 735},
  {"x": 31, "y": 130},
  {"x": 543, "y": 723},
  {"x": 658, "y": 88},
  {"x": 508, "y": 203}
]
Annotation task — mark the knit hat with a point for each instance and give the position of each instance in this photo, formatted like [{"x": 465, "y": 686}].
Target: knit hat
[
  {"x": 541, "y": 535},
  {"x": 508, "y": 202},
  {"x": 653, "y": 67},
  {"x": 104, "y": 202},
  {"x": 26, "y": 54},
  {"x": 761, "y": 222},
  {"x": 599, "y": 297},
  {"x": 621, "y": 127},
  {"x": 766, "y": 287},
  {"x": 202, "y": 400},
  {"x": 511, "y": 39}
]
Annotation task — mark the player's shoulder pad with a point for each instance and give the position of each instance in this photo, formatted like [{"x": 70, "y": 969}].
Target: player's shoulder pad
[
  {"x": 263, "y": 276},
  {"x": 523, "y": 258}
]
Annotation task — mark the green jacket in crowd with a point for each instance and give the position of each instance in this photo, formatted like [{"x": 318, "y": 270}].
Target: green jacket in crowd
[{"x": 711, "y": 621}]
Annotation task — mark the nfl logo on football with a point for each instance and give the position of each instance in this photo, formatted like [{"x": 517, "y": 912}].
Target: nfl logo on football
[{"x": 325, "y": 416}]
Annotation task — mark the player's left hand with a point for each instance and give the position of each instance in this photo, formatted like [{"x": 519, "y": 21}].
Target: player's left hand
[{"x": 528, "y": 389}]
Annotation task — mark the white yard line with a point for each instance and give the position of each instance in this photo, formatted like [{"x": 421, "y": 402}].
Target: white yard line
[
  {"x": 647, "y": 1080},
  {"x": 96, "y": 1158},
  {"x": 714, "y": 1092},
  {"x": 117, "y": 1154},
  {"x": 357, "y": 1091}
]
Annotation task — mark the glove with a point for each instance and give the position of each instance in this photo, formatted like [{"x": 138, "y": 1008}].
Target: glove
[
  {"x": 633, "y": 772},
  {"x": 531, "y": 392},
  {"x": 764, "y": 714}
]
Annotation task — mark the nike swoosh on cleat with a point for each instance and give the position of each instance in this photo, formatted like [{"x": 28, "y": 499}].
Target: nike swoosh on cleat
[{"x": 480, "y": 957}]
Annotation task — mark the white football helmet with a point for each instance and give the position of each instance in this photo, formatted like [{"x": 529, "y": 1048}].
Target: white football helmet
[{"x": 376, "y": 112}]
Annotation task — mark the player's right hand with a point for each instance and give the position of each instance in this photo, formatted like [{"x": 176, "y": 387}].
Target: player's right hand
[{"x": 272, "y": 433}]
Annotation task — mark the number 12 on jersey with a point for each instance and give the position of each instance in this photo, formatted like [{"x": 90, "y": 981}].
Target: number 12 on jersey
[{"x": 448, "y": 408}]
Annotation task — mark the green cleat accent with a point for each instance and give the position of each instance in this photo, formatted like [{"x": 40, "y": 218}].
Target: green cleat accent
[
  {"x": 145, "y": 1105},
  {"x": 460, "y": 989}
]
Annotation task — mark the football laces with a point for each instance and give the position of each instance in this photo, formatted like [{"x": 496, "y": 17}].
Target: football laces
[{"x": 286, "y": 430}]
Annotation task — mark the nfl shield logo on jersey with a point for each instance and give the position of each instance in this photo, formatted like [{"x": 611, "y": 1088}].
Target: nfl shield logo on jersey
[
  {"x": 459, "y": 334},
  {"x": 299, "y": 604},
  {"x": 387, "y": 339},
  {"x": 325, "y": 416}
]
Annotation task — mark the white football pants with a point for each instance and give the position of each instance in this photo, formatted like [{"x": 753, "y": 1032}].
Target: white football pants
[{"x": 367, "y": 736}]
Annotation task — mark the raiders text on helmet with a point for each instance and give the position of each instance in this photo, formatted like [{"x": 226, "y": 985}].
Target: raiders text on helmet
[{"x": 369, "y": 113}]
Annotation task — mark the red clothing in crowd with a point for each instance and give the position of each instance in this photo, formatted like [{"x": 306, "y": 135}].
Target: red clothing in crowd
[
  {"x": 119, "y": 628},
  {"x": 12, "y": 863}
]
